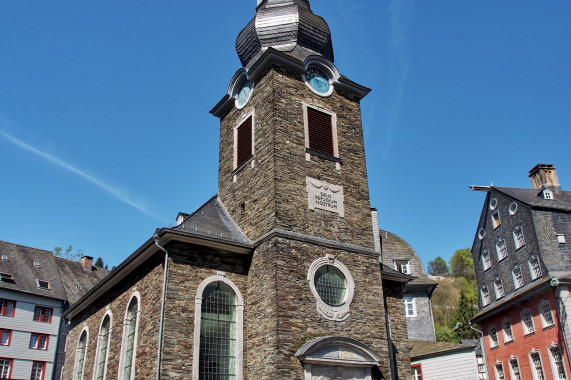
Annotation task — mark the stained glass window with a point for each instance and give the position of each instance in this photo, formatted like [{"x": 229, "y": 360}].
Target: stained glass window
[{"x": 330, "y": 285}]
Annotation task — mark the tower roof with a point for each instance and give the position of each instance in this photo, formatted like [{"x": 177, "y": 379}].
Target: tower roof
[{"x": 285, "y": 25}]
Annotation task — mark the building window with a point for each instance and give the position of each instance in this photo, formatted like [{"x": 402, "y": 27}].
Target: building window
[
  {"x": 501, "y": 249},
  {"x": 80, "y": 356},
  {"x": 416, "y": 372},
  {"x": 486, "y": 263},
  {"x": 244, "y": 142},
  {"x": 507, "y": 329},
  {"x": 45, "y": 285},
  {"x": 547, "y": 194},
  {"x": 402, "y": 266},
  {"x": 43, "y": 314},
  {"x": 519, "y": 240},
  {"x": 561, "y": 238},
  {"x": 409, "y": 306},
  {"x": 493, "y": 334},
  {"x": 7, "y": 277},
  {"x": 5, "y": 337},
  {"x": 481, "y": 368},
  {"x": 496, "y": 219},
  {"x": 38, "y": 369},
  {"x": 129, "y": 341},
  {"x": 218, "y": 330},
  {"x": 485, "y": 295},
  {"x": 514, "y": 369},
  {"x": 499, "y": 288},
  {"x": 527, "y": 321},
  {"x": 320, "y": 133},
  {"x": 557, "y": 364},
  {"x": 39, "y": 341},
  {"x": 481, "y": 234},
  {"x": 536, "y": 366},
  {"x": 5, "y": 368},
  {"x": 102, "y": 348},
  {"x": 546, "y": 314},
  {"x": 517, "y": 277},
  {"x": 499, "y": 367},
  {"x": 513, "y": 208},
  {"x": 534, "y": 267},
  {"x": 493, "y": 204}
]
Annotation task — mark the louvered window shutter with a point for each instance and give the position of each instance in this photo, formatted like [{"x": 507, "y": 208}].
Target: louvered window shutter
[
  {"x": 320, "y": 131},
  {"x": 244, "y": 143}
]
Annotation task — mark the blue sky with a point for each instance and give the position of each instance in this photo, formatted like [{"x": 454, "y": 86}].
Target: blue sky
[{"x": 105, "y": 133}]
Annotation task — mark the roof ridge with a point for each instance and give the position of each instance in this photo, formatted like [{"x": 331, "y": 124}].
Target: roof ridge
[{"x": 26, "y": 246}]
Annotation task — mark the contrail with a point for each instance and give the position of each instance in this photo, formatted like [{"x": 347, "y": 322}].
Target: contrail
[{"x": 59, "y": 162}]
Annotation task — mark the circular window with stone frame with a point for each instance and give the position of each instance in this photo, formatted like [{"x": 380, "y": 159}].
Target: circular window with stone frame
[
  {"x": 332, "y": 286},
  {"x": 481, "y": 234},
  {"x": 493, "y": 204},
  {"x": 513, "y": 208}
]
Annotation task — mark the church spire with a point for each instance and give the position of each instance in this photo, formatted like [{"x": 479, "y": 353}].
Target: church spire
[{"x": 285, "y": 25}]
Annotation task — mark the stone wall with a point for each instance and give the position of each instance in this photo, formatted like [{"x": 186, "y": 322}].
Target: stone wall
[{"x": 393, "y": 293}]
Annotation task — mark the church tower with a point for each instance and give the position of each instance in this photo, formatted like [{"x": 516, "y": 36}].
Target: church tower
[{"x": 292, "y": 176}]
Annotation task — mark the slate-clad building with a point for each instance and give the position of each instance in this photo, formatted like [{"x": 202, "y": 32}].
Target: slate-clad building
[
  {"x": 35, "y": 289},
  {"x": 523, "y": 269},
  {"x": 278, "y": 276}
]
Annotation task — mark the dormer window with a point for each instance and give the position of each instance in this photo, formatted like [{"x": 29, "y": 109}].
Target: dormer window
[
  {"x": 4, "y": 257},
  {"x": 402, "y": 266},
  {"x": 560, "y": 238},
  {"x": 547, "y": 194},
  {"x": 43, "y": 284},
  {"x": 7, "y": 277},
  {"x": 36, "y": 264},
  {"x": 519, "y": 239}
]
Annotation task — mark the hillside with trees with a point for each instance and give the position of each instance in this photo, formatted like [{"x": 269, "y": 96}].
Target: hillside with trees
[{"x": 456, "y": 300}]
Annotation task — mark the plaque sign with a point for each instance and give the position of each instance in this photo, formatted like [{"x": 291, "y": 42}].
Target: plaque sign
[{"x": 325, "y": 196}]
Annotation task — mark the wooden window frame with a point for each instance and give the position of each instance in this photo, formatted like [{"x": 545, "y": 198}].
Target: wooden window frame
[
  {"x": 38, "y": 340},
  {"x": 10, "y": 366},
  {"x": 419, "y": 366},
  {"x": 43, "y": 370},
  {"x": 42, "y": 316},
  {"x": 4, "y": 307},
  {"x": 2, "y": 331}
]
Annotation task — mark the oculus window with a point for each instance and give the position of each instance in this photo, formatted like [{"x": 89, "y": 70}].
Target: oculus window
[{"x": 332, "y": 286}]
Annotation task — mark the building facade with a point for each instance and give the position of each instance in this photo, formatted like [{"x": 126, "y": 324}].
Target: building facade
[
  {"x": 523, "y": 268},
  {"x": 278, "y": 276},
  {"x": 35, "y": 289}
]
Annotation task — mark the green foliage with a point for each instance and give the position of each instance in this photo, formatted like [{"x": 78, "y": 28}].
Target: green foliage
[
  {"x": 99, "y": 262},
  {"x": 437, "y": 266},
  {"x": 466, "y": 310},
  {"x": 67, "y": 254},
  {"x": 462, "y": 264}
]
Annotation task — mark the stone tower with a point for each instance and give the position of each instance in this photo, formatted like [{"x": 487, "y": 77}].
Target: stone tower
[{"x": 292, "y": 176}]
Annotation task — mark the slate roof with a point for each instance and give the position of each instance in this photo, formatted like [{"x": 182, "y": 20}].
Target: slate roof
[
  {"x": 68, "y": 280},
  {"x": 534, "y": 198},
  {"x": 212, "y": 221},
  {"x": 286, "y": 25},
  {"x": 423, "y": 349}
]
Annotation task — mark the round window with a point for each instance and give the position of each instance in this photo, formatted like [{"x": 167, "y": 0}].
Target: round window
[
  {"x": 513, "y": 208},
  {"x": 481, "y": 233},
  {"x": 330, "y": 285},
  {"x": 493, "y": 203}
]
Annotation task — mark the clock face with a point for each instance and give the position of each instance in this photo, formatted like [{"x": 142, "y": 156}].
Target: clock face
[
  {"x": 244, "y": 93},
  {"x": 317, "y": 80}
]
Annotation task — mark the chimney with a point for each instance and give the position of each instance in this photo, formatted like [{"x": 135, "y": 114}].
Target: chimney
[
  {"x": 544, "y": 176},
  {"x": 87, "y": 263}
]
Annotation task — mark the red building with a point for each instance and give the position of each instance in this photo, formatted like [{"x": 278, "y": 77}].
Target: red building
[{"x": 523, "y": 270}]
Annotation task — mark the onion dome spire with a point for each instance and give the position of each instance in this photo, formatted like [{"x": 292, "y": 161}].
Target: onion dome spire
[{"x": 285, "y": 25}]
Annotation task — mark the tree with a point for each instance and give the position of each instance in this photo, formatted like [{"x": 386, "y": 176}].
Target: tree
[
  {"x": 67, "y": 254},
  {"x": 437, "y": 266},
  {"x": 99, "y": 262},
  {"x": 462, "y": 264},
  {"x": 466, "y": 311}
]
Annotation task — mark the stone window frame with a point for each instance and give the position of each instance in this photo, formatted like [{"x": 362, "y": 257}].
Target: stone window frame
[
  {"x": 557, "y": 366},
  {"x": 485, "y": 293},
  {"x": 513, "y": 374},
  {"x": 507, "y": 326},
  {"x": 527, "y": 330},
  {"x": 499, "y": 370},
  {"x": 409, "y": 301},
  {"x": 103, "y": 376},
  {"x": 481, "y": 233},
  {"x": 533, "y": 365},
  {"x": 496, "y": 221},
  {"x": 493, "y": 204},
  {"x": 219, "y": 277},
  {"x": 250, "y": 160},
  {"x": 333, "y": 313},
  {"x": 486, "y": 260},
  {"x": 519, "y": 237},
  {"x": 534, "y": 267},
  {"x": 78, "y": 373},
  {"x": 546, "y": 316},
  {"x": 501, "y": 249},
  {"x": 121, "y": 376},
  {"x": 517, "y": 276},
  {"x": 308, "y": 152},
  {"x": 493, "y": 336},
  {"x": 512, "y": 208},
  {"x": 499, "y": 288}
]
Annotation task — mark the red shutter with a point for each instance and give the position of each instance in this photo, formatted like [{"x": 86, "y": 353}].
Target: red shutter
[
  {"x": 244, "y": 144},
  {"x": 320, "y": 131}
]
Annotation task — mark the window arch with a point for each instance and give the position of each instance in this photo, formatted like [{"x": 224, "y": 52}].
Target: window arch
[
  {"x": 102, "y": 352},
  {"x": 80, "y": 354},
  {"x": 218, "y": 330},
  {"x": 129, "y": 341}
]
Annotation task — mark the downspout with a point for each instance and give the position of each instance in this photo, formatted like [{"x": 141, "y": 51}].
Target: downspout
[
  {"x": 161, "y": 322},
  {"x": 483, "y": 348},
  {"x": 558, "y": 301}
]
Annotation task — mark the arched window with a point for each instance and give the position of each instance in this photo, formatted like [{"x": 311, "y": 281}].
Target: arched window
[
  {"x": 218, "y": 333},
  {"x": 102, "y": 348},
  {"x": 80, "y": 356},
  {"x": 129, "y": 343}
]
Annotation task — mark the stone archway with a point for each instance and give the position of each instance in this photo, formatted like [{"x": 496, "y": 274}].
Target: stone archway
[{"x": 336, "y": 358}]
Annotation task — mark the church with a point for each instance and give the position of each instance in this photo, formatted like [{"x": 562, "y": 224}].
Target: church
[{"x": 279, "y": 275}]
